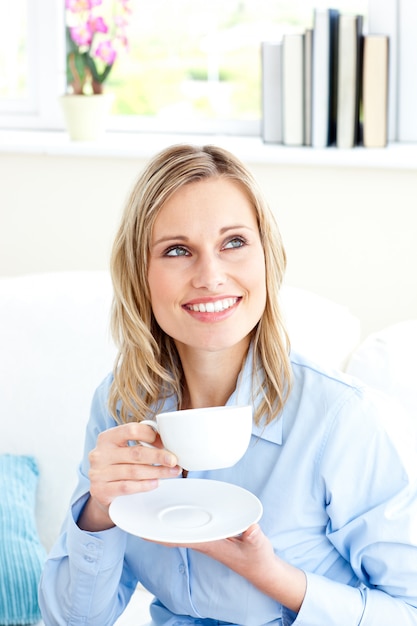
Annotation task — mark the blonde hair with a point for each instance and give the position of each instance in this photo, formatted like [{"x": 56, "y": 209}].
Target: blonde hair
[{"x": 148, "y": 369}]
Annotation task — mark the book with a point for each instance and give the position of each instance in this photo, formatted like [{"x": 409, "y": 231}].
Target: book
[
  {"x": 375, "y": 91},
  {"x": 349, "y": 80},
  {"x": 308, "y": 84},
  {"x": 293, "y": 89},
  {"x": 271, "y": 71},
  {"x": 383, "y": 20},
  {"x": 324, "y": 95},
  {"x": 407, "y": 74}
]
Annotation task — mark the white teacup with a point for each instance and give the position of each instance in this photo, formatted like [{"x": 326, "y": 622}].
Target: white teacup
[{"x": 206, "y": 438}]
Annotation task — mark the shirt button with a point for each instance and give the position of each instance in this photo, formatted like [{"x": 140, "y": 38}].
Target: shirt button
[
  {"x": 181, "y": 569},
  {"x": 91, "y": 547},
  {"x": 89, "y": 559}
]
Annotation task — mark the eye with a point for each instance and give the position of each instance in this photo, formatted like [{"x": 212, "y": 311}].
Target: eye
[
  {"x": 235, "y": 242},
  {"x": 176, "y": 251}
]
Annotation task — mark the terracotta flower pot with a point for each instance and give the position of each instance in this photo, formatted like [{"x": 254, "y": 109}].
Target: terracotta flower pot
[{"x": 86, "y": 116}]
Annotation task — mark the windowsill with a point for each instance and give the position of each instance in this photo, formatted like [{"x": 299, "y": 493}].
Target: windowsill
[{"x": 249, "y": 149}]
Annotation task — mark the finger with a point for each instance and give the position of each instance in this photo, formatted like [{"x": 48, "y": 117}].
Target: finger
[
  {"x": 105, "y": 493},
  {"x": 252, "y": 534},
  {"x": 124, "y": 433},
  {"x": 116, "y": 445},
  {"x": 132, "y": 472},
  {"x": 142, "y": 455},
  {"x": 151, "y": 456},
  {"x": 118, "y": 480}
]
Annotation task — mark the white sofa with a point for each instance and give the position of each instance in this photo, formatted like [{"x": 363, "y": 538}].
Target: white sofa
[{"x": 55, "y": 348}]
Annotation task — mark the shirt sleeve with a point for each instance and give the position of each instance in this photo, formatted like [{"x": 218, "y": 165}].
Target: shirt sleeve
[
  {"x": 368, "y": 473},
  {"x": 84, "y": 581}
]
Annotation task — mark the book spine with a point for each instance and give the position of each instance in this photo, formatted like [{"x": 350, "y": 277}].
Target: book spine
[
  {"x": 293, "y": 89},
  {"x": 383, "y": 20},
  {"x": 271, "y": 63},
  {"x": 407, "y": 77},
  {"x": 308, "y": 84},
  {"x": 324, "y": 95},
  {"x": 348, "y": 83},
  {"x": 375, "y": 91},
  {"x": 333, "y": 71}
]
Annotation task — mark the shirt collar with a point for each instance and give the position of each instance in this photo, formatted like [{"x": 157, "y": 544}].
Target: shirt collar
[{"x": 243, "y": 395}]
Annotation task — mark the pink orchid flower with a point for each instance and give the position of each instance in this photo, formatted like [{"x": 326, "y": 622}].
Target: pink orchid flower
[
  {"x": 98, "y": 25},
  {"x": 82, "y": 35},
  {"x": 106, "y": 52},
  {"x": 87, "y": 29}
]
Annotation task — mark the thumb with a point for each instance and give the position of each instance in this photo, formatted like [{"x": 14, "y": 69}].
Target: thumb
[{"x": 252, "y": 534}]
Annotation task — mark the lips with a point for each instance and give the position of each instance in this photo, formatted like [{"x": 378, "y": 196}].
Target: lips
[{"x": 214, "y": 306}]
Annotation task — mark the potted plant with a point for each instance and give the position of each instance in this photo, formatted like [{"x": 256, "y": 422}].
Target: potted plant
[{"x": 95, "y": 36}]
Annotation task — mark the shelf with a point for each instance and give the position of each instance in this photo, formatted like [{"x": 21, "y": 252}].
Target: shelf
[{"x": 249, "y": 149}]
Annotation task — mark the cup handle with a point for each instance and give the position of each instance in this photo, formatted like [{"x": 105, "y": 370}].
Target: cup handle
[{"x": 154, "y": 426}]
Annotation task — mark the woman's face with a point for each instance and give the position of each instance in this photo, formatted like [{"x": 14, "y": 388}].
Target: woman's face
[{"x": 206, "y": 267}]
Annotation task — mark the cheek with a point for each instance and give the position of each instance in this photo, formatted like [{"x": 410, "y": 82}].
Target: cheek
[
  {"x": 261, "y": 294},
  {"x": 256, "y": 275},
  {"x": 157, "y": 288},
  {"x": 163, "y": 293},
  {"x": 259, "y": 278}
]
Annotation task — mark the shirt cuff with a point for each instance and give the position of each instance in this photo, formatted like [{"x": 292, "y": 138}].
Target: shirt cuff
[
  {"x": 93, "y": 552},
  {"x": 330, "y": 602}
]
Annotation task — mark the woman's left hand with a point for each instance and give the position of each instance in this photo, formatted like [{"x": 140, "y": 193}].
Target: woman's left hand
[
  {"x": 247, "y": 554},
  {"x": 252, "y": 556}
]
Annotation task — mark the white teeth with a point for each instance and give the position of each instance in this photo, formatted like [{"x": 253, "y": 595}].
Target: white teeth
[{"x": 212, "y": 307}]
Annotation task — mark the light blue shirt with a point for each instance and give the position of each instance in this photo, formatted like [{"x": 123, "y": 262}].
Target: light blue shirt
[{"x": 337, "y": 477}]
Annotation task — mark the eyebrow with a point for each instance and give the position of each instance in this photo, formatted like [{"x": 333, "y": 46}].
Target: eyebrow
[{"x": 222, "y": 231}]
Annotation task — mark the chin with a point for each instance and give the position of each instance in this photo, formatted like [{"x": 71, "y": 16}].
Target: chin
[{"x": 220, "y": 345}]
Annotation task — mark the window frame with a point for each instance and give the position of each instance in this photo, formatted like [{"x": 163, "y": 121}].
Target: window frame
[{"x": 46, "y": 71}]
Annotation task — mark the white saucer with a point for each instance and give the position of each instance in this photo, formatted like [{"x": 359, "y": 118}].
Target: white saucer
[{"x": 187, "y": 511}]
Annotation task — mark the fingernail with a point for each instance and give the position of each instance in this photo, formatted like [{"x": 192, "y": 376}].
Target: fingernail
[
  {"x": 252, "y": 532},
  {"x": 175, "y": 470},
  {"x": 170, "y": 460}
]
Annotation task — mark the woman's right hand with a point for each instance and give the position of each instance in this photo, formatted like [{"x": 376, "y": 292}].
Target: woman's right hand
[{"x": 117, "y": 468}]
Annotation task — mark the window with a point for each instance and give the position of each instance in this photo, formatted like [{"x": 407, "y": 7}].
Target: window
[
  {"x": 16, "y": 86},
  {"x": 193, "y": 65},
  {"x": 32, "y": 66}
]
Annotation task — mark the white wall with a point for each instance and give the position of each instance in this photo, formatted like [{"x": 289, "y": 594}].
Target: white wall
[{"x": 350, "y": 233}]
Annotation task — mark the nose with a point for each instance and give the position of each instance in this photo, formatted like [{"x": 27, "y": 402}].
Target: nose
[{"x": 208, "y": 272}]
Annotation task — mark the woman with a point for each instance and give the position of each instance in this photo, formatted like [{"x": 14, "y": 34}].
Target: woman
[{"x": 197, "y": 266}]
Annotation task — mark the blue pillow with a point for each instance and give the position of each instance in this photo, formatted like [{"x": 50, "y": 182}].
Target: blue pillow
[{"x": 21, "y": 553}]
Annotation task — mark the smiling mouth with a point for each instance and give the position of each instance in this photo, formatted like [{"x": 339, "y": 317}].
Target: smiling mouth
[{"x": 212, "y": 307}]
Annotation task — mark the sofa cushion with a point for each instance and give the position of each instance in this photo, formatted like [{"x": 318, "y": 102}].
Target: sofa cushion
[
  {"x": 55, "y": 348},
  {"x": 321, "y": 329},
  {"x": 386, "y": 360},
  {"x": 21, "y": 552}
]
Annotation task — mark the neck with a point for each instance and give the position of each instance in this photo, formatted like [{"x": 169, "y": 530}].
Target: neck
[{"x": 210, "y": 377}]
